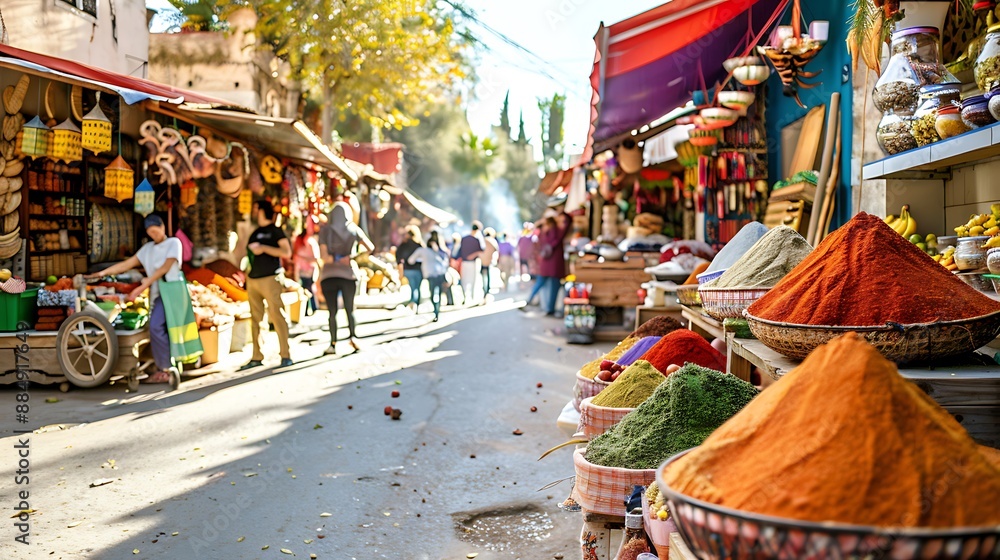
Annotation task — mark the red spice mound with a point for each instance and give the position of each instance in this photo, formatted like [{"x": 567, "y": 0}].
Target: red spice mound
[
  {"x": 866, "y": 274},
  {"x": 845, "y": 438},
  {"x": 683, "y": 346},
  {"x": 661, "y": 325}
]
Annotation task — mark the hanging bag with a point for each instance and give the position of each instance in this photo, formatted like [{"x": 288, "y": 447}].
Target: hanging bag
[{"x": 182, "y": 328}]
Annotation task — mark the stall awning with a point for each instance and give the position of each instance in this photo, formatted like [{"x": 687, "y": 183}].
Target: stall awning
[
  {"x": 551, "y": 182},
  {"x": 130, "y": 88},
  {"x": 648, "y": 65},
  {"x": 288, "y": 138},
  {"x": 385, "y": 158},
  {"x": 442, "y": 217}
]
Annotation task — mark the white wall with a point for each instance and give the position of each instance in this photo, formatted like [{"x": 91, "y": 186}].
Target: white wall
[{"x": 51, "y": 27}]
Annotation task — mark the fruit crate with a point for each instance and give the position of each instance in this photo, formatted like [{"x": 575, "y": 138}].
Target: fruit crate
[{"x": 15, "y": 308}]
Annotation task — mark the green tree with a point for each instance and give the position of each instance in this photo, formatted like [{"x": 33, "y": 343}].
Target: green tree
[
  {"x": 504, "y": 115},
  {"x": 553, "y": 114},
  {"x": 474, "y": 162}
]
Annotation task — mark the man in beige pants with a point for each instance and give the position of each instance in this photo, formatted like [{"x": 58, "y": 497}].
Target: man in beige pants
[{"x": 266, "y": 246}]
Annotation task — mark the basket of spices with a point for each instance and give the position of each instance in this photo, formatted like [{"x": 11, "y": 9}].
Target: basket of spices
[
  {"x": 595, "y": 420},
  {"x": 630, "y": 389},
  {"x": 727, "y": 303},
  {"x": 688, "y": 295},
  {"x": 836, "y": 290},
  {"x": 726, "y": 506}
]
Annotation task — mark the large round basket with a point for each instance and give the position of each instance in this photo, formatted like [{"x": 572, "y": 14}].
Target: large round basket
[
  {"x": 586, "y": 388},
  {"x": 595, "y": 420},
  {"x": 714, "y": 532},
  {"x": 899, "y": 343},
  {"x": 604, "y": 489},
  {"x": 726, "y": 303},
  {"x": 688, "y": 295}
]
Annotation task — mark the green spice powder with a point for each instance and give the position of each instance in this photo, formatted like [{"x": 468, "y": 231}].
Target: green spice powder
[
  {"x": 632, "y": 387},
  {"x": 679, "y": 415}
]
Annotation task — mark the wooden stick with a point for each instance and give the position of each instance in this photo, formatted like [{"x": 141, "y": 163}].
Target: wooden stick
[
  {"x": 830, "y": 200},
  {"x": 832, "y": 128}
]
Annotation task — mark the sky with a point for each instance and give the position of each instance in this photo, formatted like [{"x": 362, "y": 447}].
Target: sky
[{"x": 560, "y": 34}]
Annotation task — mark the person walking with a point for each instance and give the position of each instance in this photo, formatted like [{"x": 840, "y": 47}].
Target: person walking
[
  {"x": 160, "y": 258},
  {"x": 552, "y": 264},
  {"x": 266, "y": 246},
  {"x": 338, "y": 239},
  {"x": 434, "y": 264},
  {"x": 490, "y": 258},
  {"x": 505, "y": 260},
  {"x": 305, "y": 257},
  {"x": 526, "y": 251},
  {"x": 469, "y": 253},
  {"x": 411, "y": 271}
]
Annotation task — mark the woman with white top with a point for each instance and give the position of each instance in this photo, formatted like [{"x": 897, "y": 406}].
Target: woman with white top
[{"x": 434, "y": 262}]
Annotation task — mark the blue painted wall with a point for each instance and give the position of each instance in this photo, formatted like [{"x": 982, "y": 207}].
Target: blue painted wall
[{"x": 782, "y": 111}]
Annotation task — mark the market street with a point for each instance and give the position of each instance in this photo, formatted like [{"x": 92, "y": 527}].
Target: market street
[{"x": 304, "y": 459}]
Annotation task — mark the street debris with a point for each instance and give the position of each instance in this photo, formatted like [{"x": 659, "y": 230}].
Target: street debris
[{"x": 101, "y": 482}]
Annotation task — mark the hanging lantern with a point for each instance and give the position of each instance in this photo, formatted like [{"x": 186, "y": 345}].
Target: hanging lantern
[
  {"x": 34, "y": 139},
  {"x": 118, "y": 180},
  {"x": 66, "y": 142},
  {"x": 245, "y": 202},
  {"x": 145, "y": 198},
  {"x": 189, "y": 193},
  {"x": 96, "y": 130}
]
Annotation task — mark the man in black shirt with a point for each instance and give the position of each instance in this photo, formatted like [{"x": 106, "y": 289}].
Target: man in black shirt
[{"x": 266, "y": 246}]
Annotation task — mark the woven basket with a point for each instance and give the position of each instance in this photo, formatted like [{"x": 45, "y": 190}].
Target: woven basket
[
  {"x": 688, "y": 295},
  {"x": 604, "y": 489},
  {"x": 729, "y": 303},
  {"x": 899, "y": 343},
  {"x": 595, "y": 420},
  {"x": 585, "y": 389}
]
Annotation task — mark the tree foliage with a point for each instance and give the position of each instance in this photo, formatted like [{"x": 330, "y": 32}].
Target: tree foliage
[
  {"x": 553, "y": 114},
  {"x": 382, "y": 60}
]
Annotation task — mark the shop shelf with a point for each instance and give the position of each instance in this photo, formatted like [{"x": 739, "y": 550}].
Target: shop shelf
[
  {"x": 54, "y": 216},
  {"x": 977, "y": 144},
  {"x": 55, "y": 194}
]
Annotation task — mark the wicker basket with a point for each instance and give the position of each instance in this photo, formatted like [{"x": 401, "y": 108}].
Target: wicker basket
[
  {"x": 595, "y": 420},
  {"x": 688, "y": 295},
  {"x": 899, "y": 343},
  {"x": 714, "y": 532},
  {"x": 586, "y": 388},
  {"x": 729, "y": 303},
  {"x": 604, "y": 489}
]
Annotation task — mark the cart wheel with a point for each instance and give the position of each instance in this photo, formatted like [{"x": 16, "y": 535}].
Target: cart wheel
[
  {"x": 175, "y": 378},
  {"x": 64, "y": 387},
  {"x": 87, "y": 348},
  {"x": 133, "y": 380}
]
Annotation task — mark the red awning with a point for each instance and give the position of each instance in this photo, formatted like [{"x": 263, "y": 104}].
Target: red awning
[
  {"x": 385, "y": 158},
  {"x": 648, "y": 65},
  {"x": 135, "y": 89}
]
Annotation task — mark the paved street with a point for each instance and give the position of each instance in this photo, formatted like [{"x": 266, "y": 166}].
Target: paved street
[{"x": 249, "y": 465}]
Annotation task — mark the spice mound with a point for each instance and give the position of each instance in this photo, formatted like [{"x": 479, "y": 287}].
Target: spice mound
[
  {"x": 591, "y": 369},
  {"x": 638, "y": 350},
  {"x": 632, "y": 387},
  {"x": 866, "y": 274},
  {"x": 657, "y": 326},
  {"x": 681, "y": 347},
  {"x": 737, "y": 246},
  {"x": 874, "y": 451},
  {"x": 679, "y": 415},
  {"x": 768, "y": 261},
  {"x": 693, "y": 279}
]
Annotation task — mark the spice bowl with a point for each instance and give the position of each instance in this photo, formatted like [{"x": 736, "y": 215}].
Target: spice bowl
[
  {"x": 688, "y": 295},
  {"x": 714, "y": 532}
]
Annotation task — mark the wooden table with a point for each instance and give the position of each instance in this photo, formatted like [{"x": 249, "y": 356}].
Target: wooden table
[
  {"x": 701, "y": 323},
  {"x": 971, "y": 393}
]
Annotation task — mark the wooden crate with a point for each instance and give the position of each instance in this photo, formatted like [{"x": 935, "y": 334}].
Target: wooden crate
[{"x": 614, "y": 284}]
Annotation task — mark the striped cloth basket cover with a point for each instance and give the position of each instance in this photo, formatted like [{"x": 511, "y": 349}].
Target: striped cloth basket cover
[
  {"x": 586, "y": 388},
  {"x": 604, "y": 489},
  {"x": 595, "y": 420}
]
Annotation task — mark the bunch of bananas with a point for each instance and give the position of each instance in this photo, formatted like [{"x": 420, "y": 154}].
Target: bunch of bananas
[
  {"x": 979, "y": 224},
  {"x": 947, "y": 259},
  {"x": 904, "y": 224}
]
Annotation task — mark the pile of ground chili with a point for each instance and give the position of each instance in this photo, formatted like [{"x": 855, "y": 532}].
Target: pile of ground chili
[
  {"x": 866, "y": 274},
  {"x": 681, "y": 347},
  {"x": 844, "y": 438},
  {"x": 657, "y": 326}
]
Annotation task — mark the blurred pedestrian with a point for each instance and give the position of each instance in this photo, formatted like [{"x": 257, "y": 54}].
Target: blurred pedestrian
[
  {"x": 552, "y": 263},
  {"x": 526, "y": 251},
  {"x": 306, "y": 261},
  {"x": 470, "y": 253},
  {"x": 266, "y": 246},
  {"x": 413, "y": 241},
  {"x": 434, "y": 265},
  {"x": 505, "y": 261},
  {"x": 338, "y": 241},
  {"x": 491, "y": 254}
]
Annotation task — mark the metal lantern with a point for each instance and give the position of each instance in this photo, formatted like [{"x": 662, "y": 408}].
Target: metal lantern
[
  {"x": 145, "y": 198},
  {"x": 34, "y": 138},
  {"x": 66, "y": 142},
  {"x": 189, "y": 193},
  {"x": 118, "y": 180},
  {"x": 96, "y": 131},
  {"x": 245, "y": 202}
]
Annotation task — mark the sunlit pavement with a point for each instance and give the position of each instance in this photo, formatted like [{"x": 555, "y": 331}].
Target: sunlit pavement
[{"x": 245, "y": 464}]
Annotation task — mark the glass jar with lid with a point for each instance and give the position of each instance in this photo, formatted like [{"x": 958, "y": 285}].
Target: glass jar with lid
[
  {"x": 987, "y": 68},
  {"x": 949, "y": 122},
  {"x": 976, "y": 111},
  {"x": 915, "y": 61},
  {"x": 895, "y": 133},
  {"x": 932, "y": 97}
]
